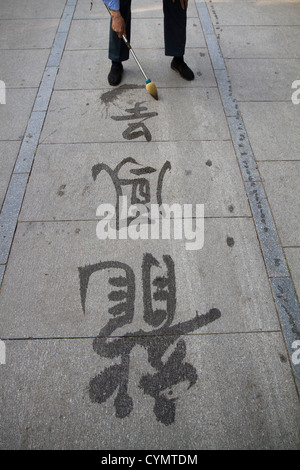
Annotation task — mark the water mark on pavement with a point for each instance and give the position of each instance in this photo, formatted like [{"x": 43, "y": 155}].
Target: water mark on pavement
[{"x": 157, "y": 332}]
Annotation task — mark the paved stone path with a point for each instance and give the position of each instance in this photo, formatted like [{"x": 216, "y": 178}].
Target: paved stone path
[{"x": 139, "y": 344}]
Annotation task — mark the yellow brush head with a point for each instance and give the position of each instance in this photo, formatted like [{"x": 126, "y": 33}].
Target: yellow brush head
[{"x": 152, "y": 90}]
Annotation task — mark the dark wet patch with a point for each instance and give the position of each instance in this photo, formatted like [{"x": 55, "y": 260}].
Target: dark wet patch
[
  {"x": 61, "y": 190},
  {"x": 282, "y": 358},
  {"x": 112, "y": 95},
  {"x": 230, "y": 242}
]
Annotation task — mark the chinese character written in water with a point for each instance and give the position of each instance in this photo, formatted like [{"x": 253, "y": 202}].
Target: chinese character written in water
[
  {"x": 159, "y": 290},
  {"x": 137, "y": 182},
  {"x": 136, "y": 129}
]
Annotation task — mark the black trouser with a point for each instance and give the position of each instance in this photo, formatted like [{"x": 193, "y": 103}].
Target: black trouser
[{"x": 174, "y": 31}]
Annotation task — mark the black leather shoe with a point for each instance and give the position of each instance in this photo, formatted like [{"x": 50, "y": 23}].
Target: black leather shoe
[
  {"x": 115, "y": 74},
  {"x": 180, "y": 66}
]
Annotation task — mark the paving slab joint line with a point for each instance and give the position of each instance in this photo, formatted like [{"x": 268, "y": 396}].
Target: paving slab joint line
[
  {"x": 17, "y": 186},
  {"x": 281, "y": 283}
]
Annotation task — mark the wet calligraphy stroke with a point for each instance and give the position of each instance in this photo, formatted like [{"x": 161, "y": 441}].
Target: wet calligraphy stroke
[
  {"x": 138, "y": 183},
  {"x": 159, "y": 288},
  {"x": 136, "y": 129}
]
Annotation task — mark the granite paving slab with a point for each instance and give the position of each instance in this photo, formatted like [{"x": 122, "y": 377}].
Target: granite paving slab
[
  {"x": 93, "y": 116},
  {"x": 254, "y": 42},
  {"x": 86, "y": 34},
  {"x": 63, "y": 291},
  {"x": 63, "y": 185},
  {"x": 292, "y": 35},
  {"x": 23, "y": 69},
  {"x": 254, "y": 13},
  {"x": 140, "y": 9},
  {"x": 27, "y": 33},
  {"x": 275, "y": 136},
  {"x": 50, "y": 400},
  {"x": 15, "y": 114},
  {"x": 89, "y": 69},
  {"x": 263, "y": 79},
  {"x": 281, "y": 180},
  {"x": 32, "y": 9}
]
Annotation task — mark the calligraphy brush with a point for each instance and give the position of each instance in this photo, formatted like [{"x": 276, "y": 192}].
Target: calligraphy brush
[{"x": 150, "y": 86}]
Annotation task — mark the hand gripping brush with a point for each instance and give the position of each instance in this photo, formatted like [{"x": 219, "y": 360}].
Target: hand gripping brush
[{"x": 150, "y": 86}]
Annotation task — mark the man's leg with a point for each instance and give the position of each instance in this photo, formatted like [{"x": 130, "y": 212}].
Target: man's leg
[
  {"x": 118, "y": 51},
  {"x": 174, "y": 28},
  {"x": 175, "y": 21}
]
